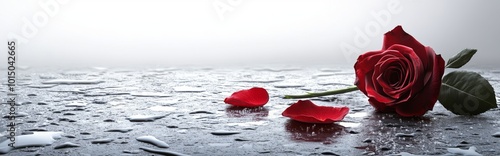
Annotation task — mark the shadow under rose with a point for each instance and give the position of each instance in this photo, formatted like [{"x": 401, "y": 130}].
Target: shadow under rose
[
  {"x": 300, "y": 131},
  {"x": 255, "y": 113}
]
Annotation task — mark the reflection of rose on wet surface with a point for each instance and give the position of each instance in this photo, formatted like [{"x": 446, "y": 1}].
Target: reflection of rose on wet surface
[
  {"x": 300, "y": 131},
  {"x": 385, "y": 132}
]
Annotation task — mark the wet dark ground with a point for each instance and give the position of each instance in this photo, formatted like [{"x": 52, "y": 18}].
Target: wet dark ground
[{"x": 184, "y": 108}]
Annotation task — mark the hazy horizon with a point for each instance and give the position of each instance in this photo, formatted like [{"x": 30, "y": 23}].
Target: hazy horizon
[{"x": 218, "y": 32}]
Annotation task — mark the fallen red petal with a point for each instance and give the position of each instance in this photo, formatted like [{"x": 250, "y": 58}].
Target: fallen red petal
[
  {"x": 253, "y": 97},
  {"x": 306, "y": 111}
]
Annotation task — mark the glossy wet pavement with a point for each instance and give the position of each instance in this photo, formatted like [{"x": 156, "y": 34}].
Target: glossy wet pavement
[{"x": 181, "y": 110}]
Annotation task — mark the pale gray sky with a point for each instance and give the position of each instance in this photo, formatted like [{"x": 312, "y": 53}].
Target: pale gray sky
[{"x": 207, "y": 32}]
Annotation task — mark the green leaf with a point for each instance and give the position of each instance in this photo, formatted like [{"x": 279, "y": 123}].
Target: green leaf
[
  {"x": 466, "y": 93},
  {"x": 461, "y": 58}
]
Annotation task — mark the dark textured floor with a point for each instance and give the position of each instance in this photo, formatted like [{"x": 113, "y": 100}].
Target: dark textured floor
[{"x": 188, "y": 104}]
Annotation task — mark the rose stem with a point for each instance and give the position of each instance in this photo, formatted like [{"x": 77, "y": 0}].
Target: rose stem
[{"x": 318, "y": 94}]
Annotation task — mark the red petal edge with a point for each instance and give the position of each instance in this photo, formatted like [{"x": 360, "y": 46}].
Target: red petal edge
[
  {"x": 253, "y": 97},
  {"x": 306, "y": 111}
]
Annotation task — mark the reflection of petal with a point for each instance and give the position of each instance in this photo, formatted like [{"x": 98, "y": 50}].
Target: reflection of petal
[
  {"x": 301, "y": 131},
  {"x": 256, "y": 112}
]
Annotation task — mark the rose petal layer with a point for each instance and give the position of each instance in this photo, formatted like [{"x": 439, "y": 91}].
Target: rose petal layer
[
  {"x": 253, "y": 97},
  {"x": 399, "y": 36},
  {"x": 426, "y": 99}
]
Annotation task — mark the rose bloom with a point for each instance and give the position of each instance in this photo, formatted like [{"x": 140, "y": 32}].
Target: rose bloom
[{"x": 404, "y": 77}]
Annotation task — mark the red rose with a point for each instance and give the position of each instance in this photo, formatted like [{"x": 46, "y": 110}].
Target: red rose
[{"x": 405, "y": 76}]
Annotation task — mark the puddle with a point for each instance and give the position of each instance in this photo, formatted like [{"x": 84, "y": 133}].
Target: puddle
[{"x": 37, "y": 139}]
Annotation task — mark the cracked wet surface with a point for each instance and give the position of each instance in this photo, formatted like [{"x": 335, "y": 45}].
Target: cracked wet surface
[{"x": 103, "y": 112}]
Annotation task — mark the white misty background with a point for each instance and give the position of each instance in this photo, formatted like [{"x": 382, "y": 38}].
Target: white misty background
[{"x": 221, "y": 32}]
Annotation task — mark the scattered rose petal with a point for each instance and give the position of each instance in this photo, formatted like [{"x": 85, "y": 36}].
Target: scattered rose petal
[
  {"x": 253, "y": 97},
  {"x": 306, "y": 111}
]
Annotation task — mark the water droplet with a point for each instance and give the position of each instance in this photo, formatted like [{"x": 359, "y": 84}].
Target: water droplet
[
  {"x": 470, "y": 152},
  {"x": 405, "y": 135},
  {"x": 66, "y": 145},
  {"x": 37, "y": 130},
  {"x": 93, "y": 94},
  {"x": 17, "y": 114},
  {"x": 201, "y": 112},
  {"x": 109, "y": 120},
  {"x": 144, "y": 118},
  {"x": 368, "y": 141},
  {"x": 385, "y": 148},
  {"x": 69, "y": 113},
  {"x": 41, "y": 86},
  {"x": 497, "y": 134},
  {"x": 172, "y": 126},
  {"x": 220, "y": 144},
  {"x": 122, "y": 130},
  {"x": 67, "y": 119},
  {"x": 36, "y": 139},
  {"x": 353, "y": 132},
  {"x": 131, "y": 151},
  {"x": 152, "y": 140},
  {"x": 324, "y": 74},
  {"x": 99, "y": 101},
  {"x": 349, "y": 124},
  {"x": 329, "y": 153},
  {"x": 163, "y": 152},
  {"x": 76, "y": 104},
  {"x": 241, "y": 139},
  {"x": 222, "y": 132},
  {"x": 102, "y": 141}
]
